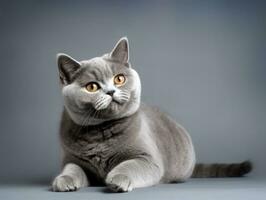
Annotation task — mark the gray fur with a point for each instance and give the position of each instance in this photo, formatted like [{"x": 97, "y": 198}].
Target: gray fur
[
  {"x": 222, "y": 170},
  {"x": 116, "y": 140}
]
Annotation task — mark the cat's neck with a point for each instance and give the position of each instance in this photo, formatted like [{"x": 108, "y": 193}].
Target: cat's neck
[
  {"x": 81, "y": 119},
  {"x": 99, "y": 123},
  {"x": 100, "y": 131}
]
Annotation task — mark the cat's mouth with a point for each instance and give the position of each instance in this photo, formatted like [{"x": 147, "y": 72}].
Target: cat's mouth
[
  {"x": 114, "y": 104},
  {"x": 110, "y": 103},
  {"x": 116, "y": 101}
]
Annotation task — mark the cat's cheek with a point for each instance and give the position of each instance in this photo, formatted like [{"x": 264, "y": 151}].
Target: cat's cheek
[{"x": 86, "y": 97}]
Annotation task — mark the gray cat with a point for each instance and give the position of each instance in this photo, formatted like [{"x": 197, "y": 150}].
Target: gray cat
[{"x": 110, "y": 138}]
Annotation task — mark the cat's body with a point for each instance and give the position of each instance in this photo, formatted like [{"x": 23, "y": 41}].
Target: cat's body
[
  {"x": 99, "y": 148},
  {"x": 109, "y": 137}
]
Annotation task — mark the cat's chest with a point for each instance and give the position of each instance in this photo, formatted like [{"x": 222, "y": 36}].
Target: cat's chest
[
  {"x": 100, "y": 147},
  {"x": 97, "y": 152}
]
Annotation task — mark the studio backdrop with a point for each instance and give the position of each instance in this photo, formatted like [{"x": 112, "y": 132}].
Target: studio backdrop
[{"x": 203, "y": 62}]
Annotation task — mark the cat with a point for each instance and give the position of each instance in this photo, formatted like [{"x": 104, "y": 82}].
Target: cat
[{"x": 110, "y": 138}]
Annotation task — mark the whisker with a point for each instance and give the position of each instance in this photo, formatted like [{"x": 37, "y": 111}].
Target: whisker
[
  {"x": 99, "y": 99},
  {"x": 102, "y": 103}
]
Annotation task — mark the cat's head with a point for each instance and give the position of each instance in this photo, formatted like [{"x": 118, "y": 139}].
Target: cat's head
[{"x": 100, "y": 89}]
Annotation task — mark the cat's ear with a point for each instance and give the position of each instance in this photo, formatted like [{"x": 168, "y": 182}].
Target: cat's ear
[
  {"x": 67, "y": 67},
  {"x": 120, "y": 52}
]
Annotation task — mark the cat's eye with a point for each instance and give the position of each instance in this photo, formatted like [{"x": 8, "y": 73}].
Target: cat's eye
[
  {"x": 119, "y": 79},
  {"x": 92, "y": 87}
]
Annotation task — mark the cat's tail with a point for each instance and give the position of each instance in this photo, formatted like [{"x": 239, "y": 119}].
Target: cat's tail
[{"x": 221, "y": 170}]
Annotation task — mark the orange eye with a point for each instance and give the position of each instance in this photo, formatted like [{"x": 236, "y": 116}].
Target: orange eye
[
  {"x": 119, "y": 79},
  {"x": 92, "y": 87}
]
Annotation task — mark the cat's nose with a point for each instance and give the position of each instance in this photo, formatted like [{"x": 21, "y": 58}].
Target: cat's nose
[{"x": 110, "y": 92}]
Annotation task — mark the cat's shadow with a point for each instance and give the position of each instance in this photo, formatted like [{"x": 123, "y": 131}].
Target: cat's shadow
[
  {"x": 46, "y": 183},
  {"x": 106, "y": 190}
]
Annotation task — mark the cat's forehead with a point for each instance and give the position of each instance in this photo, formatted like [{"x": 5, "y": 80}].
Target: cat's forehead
[
  {"x": 94, "y": 63},
  {"x": 99, "y": 69}
]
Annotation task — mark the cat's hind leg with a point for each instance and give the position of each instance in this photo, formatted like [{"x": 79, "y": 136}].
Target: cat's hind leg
[
  {"x": 71, "y": 178},
  {"x": 134, "y": 173}
]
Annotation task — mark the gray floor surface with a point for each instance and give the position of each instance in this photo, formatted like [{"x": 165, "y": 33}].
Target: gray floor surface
[{"x": 215, "y": 189}]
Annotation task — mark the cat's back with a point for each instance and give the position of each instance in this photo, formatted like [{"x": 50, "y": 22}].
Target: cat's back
[
  {"x": 173, "y": 141},
  {"x": 160, "y": 119},
  {"x": 164, "y": 126}
]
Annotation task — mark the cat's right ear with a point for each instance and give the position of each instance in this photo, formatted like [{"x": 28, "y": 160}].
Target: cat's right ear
[
  {"x": 67, "y": 67},
  {"x": 120, "y": 52}
]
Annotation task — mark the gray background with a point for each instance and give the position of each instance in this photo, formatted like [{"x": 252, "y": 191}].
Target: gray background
[{"x": 203, "y": 62}]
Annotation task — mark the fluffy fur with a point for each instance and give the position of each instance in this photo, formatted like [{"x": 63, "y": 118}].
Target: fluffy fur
[{"x": 112, "y": 138}]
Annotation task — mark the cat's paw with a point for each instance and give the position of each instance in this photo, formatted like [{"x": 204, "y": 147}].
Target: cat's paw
[
  {"x": 119, "y": 183},
  {"x": 64, "y": 184}
]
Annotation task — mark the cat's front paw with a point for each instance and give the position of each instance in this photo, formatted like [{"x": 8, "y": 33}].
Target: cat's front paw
[
  {"x": 119, "y": 183},
  {"x": 64, "y": 184}
]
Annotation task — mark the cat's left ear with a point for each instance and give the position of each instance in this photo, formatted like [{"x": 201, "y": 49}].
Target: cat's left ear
[
  {"x": 120, "y": 52},
  {"x": 67, "y": 67}
]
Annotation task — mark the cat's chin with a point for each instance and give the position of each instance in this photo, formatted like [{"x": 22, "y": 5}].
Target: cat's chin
[
  {"x": 112, "y": 108},
  {"x": 112, "y": 111}
]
